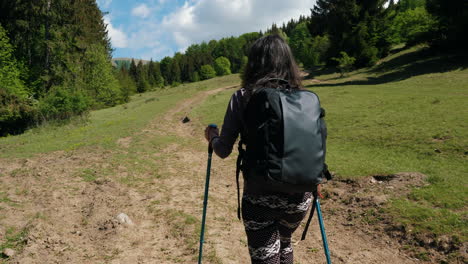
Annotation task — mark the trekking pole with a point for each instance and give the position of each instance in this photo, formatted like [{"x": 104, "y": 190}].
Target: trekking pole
[
  {"x": 322, "y": 230},
  {"x": 205, "y": 199}
]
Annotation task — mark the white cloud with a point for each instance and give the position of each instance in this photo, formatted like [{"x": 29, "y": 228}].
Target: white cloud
[
  {"x": 203, "y": 20},
  {"x": 151, "y": 36},
  {"x": 117, "y": 36},
  {"x": 141, "y": 10}
]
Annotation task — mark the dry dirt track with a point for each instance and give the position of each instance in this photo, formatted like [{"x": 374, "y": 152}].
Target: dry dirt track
[{"x": 69, "y": 220}]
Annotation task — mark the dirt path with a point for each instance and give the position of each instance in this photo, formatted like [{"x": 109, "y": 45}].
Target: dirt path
[
  {"x": 67, "y": 219},
  {"x": 226, "y": 234}
]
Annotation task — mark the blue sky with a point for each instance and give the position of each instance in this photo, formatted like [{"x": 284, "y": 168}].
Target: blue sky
[{"x": 157, "y": 28}]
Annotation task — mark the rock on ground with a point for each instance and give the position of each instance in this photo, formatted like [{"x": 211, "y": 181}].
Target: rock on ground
[
  {"x": 9, "y": 252},
  {"x": 124, "y": 219}
]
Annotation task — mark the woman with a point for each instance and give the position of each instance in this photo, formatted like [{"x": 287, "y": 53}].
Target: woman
[{"x": 269, "y": 218}]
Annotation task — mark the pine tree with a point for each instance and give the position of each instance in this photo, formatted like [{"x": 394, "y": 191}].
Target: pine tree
[
  {"x": 10, "y": 76},
  {"x": 63, "y": 52},
  {"x": 452, "y": 22},
  {"x": 126, "y": 83},
  {"x": 189, "y": 70},
  {"x": 100, "y": 82},
  {"x": 175, "y": 72},
  {"x": 150, "y": 74},
  {"x": 157, "y": 75},
  {"x": 133, "y": 71},
  {"x": 166, "y": 65},
  {"x": 142, "y": 82},
  {"x": 16, "y": 110},
  {"x": 357, "y": 27}
]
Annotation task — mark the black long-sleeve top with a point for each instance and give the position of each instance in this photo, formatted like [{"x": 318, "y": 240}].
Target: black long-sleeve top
[{"x": 232, "y": 126}]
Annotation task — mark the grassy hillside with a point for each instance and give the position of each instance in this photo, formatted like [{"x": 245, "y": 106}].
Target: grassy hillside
[
  {"x": 407, "y": 114},
  {"x": 104, "y": 127}
]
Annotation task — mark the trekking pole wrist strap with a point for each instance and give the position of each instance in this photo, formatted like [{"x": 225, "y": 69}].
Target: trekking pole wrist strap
[
  {"x": 212, "y": 139},
  {"x": 312, "y": 210}
]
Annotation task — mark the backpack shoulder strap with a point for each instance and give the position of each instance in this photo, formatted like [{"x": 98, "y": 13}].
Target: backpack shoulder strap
[
  {"x": 326, "y": 172},
  {"x": 239, "y": 164},
  {"x": 241, "y": 150}
]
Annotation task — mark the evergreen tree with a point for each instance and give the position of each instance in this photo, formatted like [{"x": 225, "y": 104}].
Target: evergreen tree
[
  {"x": 277, "y": 31},
  {"x": 150, "y": 74},
  {"x": 133, "y": 71},
  {"x": 301, "y": 42},
  {"x": 166, "y": 65},
  {"x": 127, "y": 83},
  {"x": 452, "y": 22},
  {"x": 24, "y": 21},
  {"x": 16, "y": 110},
  {"x": 357, "y": 27},
  {"x": 99, "y": 78},
  {"x": 175, "y": 69},
  {"x": 92, "y": 29},
  {"x": 63, "y": 52},
  {"x": 233, "y": 49},
  {"x": 10, "y": 76},
  {"x": 189, "y": 69},
  {"x": 404, "y": 5},
  {"x": 309, "y": 50},
  {"x": 183, "y": 66},
  {"x": 142, "y": 82},
  {"x": 157, "y": 75}
]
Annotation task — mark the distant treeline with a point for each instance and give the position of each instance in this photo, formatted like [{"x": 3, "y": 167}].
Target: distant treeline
[
  {"x": 338, "y": 33},
  {"x": 55, "y": 54}
]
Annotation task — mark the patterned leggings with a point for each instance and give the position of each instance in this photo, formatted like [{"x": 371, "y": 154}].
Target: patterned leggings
[{"x": 269, "y": 222}]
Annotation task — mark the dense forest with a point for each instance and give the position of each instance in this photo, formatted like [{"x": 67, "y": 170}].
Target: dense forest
[{"x": 55, "y": 55}]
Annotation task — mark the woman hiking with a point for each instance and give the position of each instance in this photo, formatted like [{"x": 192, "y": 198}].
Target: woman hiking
[{"x": 269, "y": 217}]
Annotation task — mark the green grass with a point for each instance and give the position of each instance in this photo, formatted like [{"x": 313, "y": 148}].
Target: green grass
[
  {"x": 4, "y": 199},
  {"x": 14, "y": 239},
  {"x": 103, "y": 127},
  {"x": 406, "y": 114},
  {"x": 214, "y": 107},
  {"x": 88, "y": 175}
]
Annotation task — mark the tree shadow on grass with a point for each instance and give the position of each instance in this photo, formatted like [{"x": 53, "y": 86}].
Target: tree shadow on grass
[{"x": 406, "y": 66}]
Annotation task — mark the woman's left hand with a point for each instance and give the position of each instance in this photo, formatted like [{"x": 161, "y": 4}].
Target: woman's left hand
[{"x": 211, "y": 132}]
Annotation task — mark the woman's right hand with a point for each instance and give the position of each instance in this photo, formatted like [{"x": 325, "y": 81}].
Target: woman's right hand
[{"x": 211, "y": 132}]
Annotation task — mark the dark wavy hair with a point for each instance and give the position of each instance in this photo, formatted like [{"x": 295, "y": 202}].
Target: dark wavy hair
[{"x": 270, "y": 60}]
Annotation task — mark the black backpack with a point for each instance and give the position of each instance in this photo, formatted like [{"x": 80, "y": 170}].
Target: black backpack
[{"x": 285, "y": 137}]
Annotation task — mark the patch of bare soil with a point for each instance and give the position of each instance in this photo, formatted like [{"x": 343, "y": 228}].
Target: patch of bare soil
[
  {"x": 124, "y": 142},
  {"x": 358, "y": 205},
  {"x": 69, "y": 211},
  {"x": 69, "y": 220}
]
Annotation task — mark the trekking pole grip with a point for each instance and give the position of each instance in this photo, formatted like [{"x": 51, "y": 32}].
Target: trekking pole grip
[{"x": 210, "y": 147}]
